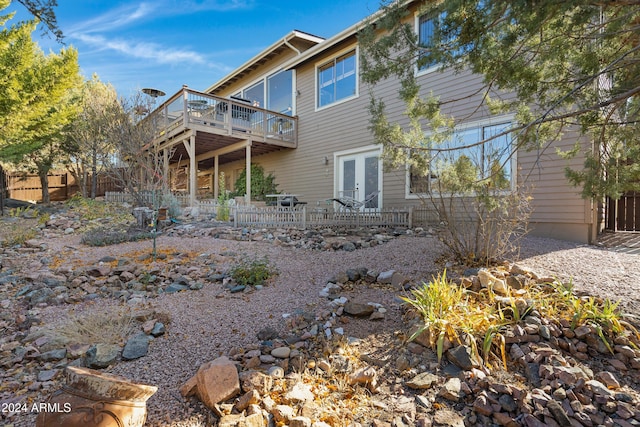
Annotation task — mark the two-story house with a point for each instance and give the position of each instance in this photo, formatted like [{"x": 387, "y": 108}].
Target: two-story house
[{"x": 299, "y": 109}]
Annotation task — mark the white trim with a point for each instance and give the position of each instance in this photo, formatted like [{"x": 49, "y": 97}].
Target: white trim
[
  {"x": 371, "y": 147},
  {"x": 489, "y": 121},
  {"x": 356, "y": 50},
  {"x": 367, "y": 149}
]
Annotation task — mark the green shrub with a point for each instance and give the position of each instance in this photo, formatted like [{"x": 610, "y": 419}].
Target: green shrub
[
  {"x": 261, "y": 185},
  {"x": 223, "y": 211},
  {"x": 449, "y": 312},
  {"x": 91, "y": 209},
  {"x": 172, "y": 204},
  {"x": 252, "y": 272},
  {"x": 106, "y": 237}
]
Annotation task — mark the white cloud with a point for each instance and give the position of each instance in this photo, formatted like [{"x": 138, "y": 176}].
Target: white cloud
[
  {"x": 192, "y": 6},
  {"x": 143, "y": 50},
  {"x": 115, "y": 18}
]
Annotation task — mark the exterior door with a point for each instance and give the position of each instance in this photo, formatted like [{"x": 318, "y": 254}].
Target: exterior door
[{"x": 359, "y": 176}]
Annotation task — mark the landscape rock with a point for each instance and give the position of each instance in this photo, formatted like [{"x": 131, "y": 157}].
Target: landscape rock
[
  {"x": 102, "y": 355},
  {"x": 358, "y": 309},
  {"x": 136, "y": 347},
  {"x": 423, "y": 381},
  {"x": 217, "y": 381}
]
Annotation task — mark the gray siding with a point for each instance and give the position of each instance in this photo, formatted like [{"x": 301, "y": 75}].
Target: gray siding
[{"x": 558, "y": 208}]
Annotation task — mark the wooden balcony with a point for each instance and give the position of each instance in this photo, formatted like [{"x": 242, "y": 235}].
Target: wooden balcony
[{"x": 220, "y": 127}]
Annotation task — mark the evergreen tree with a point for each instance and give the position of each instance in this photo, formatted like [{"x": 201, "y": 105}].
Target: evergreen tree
[
  {"x": 36, "y": 101},
  {"x": 570, "y": 65}
]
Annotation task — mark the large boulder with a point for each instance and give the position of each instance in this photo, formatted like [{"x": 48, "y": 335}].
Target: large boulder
[{"x": 215, "y": 382}]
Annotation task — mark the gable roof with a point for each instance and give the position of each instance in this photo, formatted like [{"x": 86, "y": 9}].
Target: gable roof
[
  {"x": 296, "y": 40},
  {"x": 337, "y": 39}
]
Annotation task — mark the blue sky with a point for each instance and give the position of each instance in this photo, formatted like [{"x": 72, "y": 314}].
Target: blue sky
[{"x": 164, "y": 44}]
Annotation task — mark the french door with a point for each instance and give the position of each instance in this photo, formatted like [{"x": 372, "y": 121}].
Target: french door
[{"x": 359, "y": 176}]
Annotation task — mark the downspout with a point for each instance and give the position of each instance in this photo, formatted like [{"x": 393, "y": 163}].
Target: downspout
[{"x": 289, "y": 45}]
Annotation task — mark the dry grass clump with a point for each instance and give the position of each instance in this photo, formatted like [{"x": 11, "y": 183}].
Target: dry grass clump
[
  {"x": 16, "y": 233},
  {"x": 90, "y": 209},
  {"x": 106, "y": 325},
  {"x": 338, "y": 399},
  {"x": 452, "y": 314}
]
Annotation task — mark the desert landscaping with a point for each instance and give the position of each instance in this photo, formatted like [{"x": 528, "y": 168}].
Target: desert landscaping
[{"x": 319, "y": 332}]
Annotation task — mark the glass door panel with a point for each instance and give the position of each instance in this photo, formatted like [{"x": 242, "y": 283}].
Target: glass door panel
[
  {"x": 359, "y": 176},
  {"x": 371, "y": 181}
]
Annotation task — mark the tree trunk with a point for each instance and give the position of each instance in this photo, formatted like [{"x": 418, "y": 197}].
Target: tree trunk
[
  {"x": 2, "y": 181},
  {"x": 84, "y": 181},
  {"x": 94, "y": 174},
  {"x": 44, "y": 181}
]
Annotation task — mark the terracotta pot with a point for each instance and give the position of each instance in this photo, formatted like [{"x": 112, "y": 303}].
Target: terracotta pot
[{"x": 95, "y": 399}]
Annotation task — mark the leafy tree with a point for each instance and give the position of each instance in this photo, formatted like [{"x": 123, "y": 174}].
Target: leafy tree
[
  {"x": 557, "y": 65},
  {"x": 88, "y": 144},
  {"x": 261, "y": 184},
  {"x": 36, "y": 103},
  {"x": 138, "y": 166}
]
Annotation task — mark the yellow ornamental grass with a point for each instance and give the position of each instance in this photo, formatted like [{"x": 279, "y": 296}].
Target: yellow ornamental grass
[{"x": 450, "y": 312}]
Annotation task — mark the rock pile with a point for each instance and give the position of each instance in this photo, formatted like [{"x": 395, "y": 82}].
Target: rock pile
[
  {"x": 556, "y": 376},
  {"x": 330, "y": 238},
  {"x": 69, "y": 221},
  {"x": 127, "y": 279},
  {"x": 37, "y": 358}
]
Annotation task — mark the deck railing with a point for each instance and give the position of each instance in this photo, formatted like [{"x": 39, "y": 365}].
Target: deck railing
[{"x": 189, "y": 107}]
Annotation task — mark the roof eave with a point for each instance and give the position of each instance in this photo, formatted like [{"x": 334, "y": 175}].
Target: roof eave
[{"x": 264, "y": 53}]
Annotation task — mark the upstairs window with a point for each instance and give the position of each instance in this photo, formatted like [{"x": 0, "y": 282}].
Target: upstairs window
[
  {"x": 426, "y": 28},
  {"x": 337, "y": 79},
  {"x": 280, "y": 92},
  {"x": 274, "y": 93}
]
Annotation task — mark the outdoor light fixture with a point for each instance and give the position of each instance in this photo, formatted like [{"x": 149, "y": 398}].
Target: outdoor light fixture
[{"x": 325, "y": 160}]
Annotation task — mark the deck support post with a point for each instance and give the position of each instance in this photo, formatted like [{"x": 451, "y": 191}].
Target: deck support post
[
  {"x": 165, "y": 171},
  {"x": 193, "y": 169},
  {"x": 248, "y": 174},
  {"x": 216, "y": 178}
]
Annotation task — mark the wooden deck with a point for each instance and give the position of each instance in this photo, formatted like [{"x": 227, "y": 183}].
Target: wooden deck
[{"x": 219, "y": 125}]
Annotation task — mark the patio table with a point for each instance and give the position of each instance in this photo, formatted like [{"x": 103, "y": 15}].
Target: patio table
[{"x": 292, "y": 199}]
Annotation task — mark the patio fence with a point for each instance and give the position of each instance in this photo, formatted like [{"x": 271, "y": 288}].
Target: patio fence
[
  {"x": 280, "y": 217},
  {"x": 385, "y": 217},
  {"x": 296, "y": 217},
  {"x": 147, "y": 198}
]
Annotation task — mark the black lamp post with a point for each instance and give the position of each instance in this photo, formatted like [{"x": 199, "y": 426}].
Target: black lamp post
[{"x": 154, "y": 93}]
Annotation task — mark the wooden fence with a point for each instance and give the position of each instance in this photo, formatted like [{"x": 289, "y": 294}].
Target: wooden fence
[
  {"x": 623, "y": 214},
  {"x": 287, "y": 217},
  {"x": 148, "y": 198},
  {"x": 278, "y": 217},
  {"x": 382, "y": 218},
  {"x": 62, "y": 186}
]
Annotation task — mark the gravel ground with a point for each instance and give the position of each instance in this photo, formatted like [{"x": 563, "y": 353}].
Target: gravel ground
[{"x": 208, "y": 323}]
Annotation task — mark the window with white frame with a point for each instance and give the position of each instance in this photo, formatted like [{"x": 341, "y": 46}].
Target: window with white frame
[
  {"x": 486, "y": 148},
  {"x": 274, "y": 92},
  {"x": 337, "y": 79}
]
